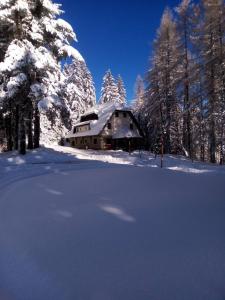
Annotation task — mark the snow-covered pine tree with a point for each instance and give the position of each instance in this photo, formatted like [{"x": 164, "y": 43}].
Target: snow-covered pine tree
[
  {"x": 121, "y": 90},
  {"x": 59, "y": 34},
  {"x": 15, "y": 16},
  {"x": 139, "y": 107},
  {"x": 78, "y": 89},
  {"x": 139, "y": 91},
  {"x": 88, "y": 86},
  {"x": 30, "y": 71},
  {"x": 109, "y": 92}
]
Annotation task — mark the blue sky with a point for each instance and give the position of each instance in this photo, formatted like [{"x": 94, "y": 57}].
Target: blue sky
[{"x": 115, "y": 34}]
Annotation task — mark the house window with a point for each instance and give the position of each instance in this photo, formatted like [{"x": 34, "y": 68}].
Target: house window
[
  {"x": 95, "y": 141},
  {"x": 131, "y": 126},
  {"x": 124, "y": 115},
  {"x": 74, "y": 130},
  {"x": 108, "y": 141},
  {"x": 89, "y": 117},
  {"x": 73, "y": 143},
  {"x": 117, "y": 114},
  {"x": 109, "y": 125}
]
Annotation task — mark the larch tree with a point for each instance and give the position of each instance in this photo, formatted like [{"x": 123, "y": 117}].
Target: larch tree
[
  {"x": 184, "y": 100},
  {"x": 162, "y": 80},
  {"x": 212, "y": 52},
  {"x": 186, "y": 70}
]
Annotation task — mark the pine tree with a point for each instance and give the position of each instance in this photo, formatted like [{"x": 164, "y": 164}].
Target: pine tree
[
  {"x": 30, "y": 71},
  {"x": 88, "y": 87},
  {"x": 139, "y": 107},
  {"x": 78, "y": 89},
  {"x": 139, "y": 90},
  {"x": 121, "y": 90},
  {"x": 109, "y": 92}
]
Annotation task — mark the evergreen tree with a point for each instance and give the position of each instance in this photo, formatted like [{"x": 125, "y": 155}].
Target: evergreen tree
[
  {"x": 88, "y": 86},
  {"x": 109, "y": 92},
  {"x": 78, "y": 89},
  {"x": 30, "y": 70},
  {"x": 139, "y": 90},
  {"x": 121, "y": 90}
]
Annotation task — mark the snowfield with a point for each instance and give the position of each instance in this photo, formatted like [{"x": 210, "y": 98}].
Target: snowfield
[{"x": 95, "y": 225}]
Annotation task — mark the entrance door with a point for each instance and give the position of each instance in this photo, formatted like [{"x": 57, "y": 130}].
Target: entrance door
[{"x": 108, "y": 144}]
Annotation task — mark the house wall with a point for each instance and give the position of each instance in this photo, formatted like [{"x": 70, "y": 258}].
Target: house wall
[
  {"x": 118, "y": 123},
  {"x": 89, "y": 142},
  {"x": 83, "y": 128}
]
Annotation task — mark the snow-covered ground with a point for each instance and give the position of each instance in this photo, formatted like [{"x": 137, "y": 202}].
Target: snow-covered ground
[{"x": 91, "y": 225}]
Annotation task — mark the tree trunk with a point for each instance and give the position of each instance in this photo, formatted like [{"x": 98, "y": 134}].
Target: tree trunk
[
  {"x": 36, "y": 128},
  {"x": 212, "y": 101},
  {"x": 9, "y": 129},
  {"x": 187, "y": 115},
  {"x": 222, "y": 93},
  {"x": 202, "y": 154},
  {"x": 30, "y": 127},
  {"x": 16, "y": 128},
  {"x": 168, "y": 126},
  {"x": 22, "y": 133}
]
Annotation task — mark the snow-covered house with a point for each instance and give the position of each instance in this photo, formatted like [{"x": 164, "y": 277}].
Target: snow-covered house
[{"x": 106, "y": 126}]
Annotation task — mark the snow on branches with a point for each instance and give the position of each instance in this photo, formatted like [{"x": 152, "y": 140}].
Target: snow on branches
[{"x": 31, "y": 75}]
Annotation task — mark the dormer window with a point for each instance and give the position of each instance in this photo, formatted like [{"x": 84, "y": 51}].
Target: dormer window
[
  {"x": 109, "y": 125},
  {"x": 90, "y": 117}
]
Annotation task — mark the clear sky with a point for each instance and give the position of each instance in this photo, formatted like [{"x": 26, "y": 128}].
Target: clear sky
[{"x": 115, "y": 34}]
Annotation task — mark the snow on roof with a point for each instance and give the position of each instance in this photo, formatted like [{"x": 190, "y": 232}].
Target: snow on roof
[
  {"x": 82, "y": 123},
  {"x": 104, "y": 112},
  {"x": 126, "y": 133}
]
